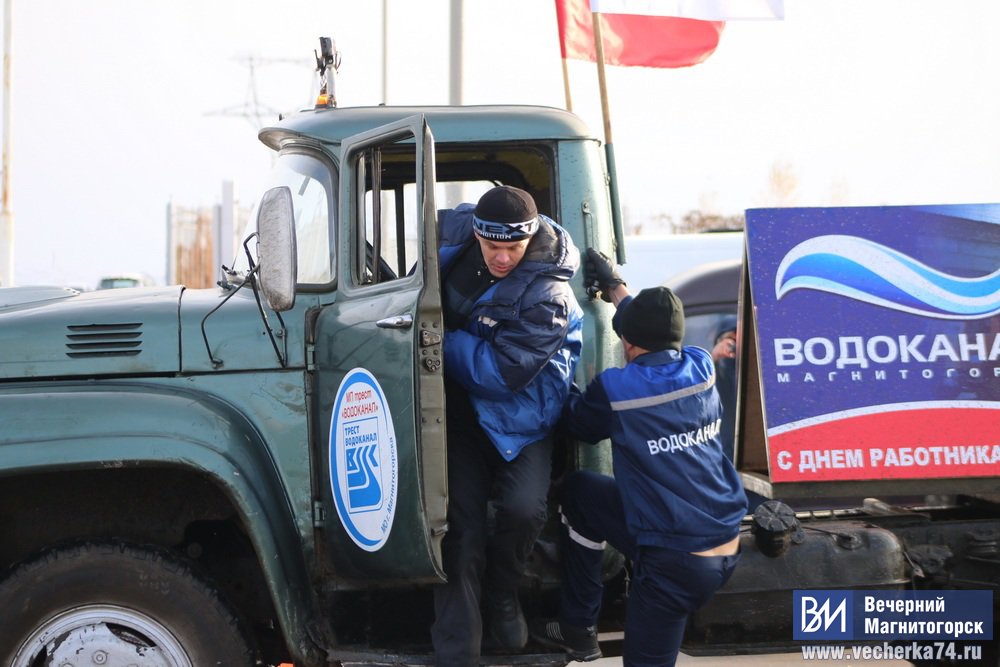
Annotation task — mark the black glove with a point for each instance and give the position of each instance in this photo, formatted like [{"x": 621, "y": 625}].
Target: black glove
[{"x": 600, "y": 275}]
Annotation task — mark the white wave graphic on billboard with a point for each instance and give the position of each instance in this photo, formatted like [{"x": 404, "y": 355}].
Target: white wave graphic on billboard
[{"x": 866, "y": 271}]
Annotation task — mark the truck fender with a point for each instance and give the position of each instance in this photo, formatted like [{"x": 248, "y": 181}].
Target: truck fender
[{"x": 68, "y": 427}]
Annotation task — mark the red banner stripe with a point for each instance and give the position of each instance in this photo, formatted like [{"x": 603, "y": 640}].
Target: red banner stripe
[{"x": 904, "y": 444}]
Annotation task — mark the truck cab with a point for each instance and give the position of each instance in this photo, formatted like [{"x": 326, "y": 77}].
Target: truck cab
[{"x": 275, "y": 446}]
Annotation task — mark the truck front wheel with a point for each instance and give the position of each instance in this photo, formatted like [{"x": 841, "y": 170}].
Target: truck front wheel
[{"x": 115, "y": 604}]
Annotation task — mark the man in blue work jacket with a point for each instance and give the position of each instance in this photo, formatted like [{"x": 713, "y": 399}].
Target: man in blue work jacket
[
  {"x": 675, "y": 503},
  {"x": 512, "y": 341}
]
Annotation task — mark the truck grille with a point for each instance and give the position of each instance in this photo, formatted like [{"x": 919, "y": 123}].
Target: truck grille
[{"x": 104, "y": 340}]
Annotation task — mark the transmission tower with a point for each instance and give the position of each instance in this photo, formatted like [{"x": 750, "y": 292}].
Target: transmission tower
[{"x": 253, "y": 109}]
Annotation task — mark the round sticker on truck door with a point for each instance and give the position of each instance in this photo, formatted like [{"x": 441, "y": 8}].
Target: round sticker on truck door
[{"x": 363, "y": 461}]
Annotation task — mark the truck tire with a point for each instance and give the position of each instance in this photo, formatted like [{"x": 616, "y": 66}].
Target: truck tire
[{"x": 111, "y": 603}]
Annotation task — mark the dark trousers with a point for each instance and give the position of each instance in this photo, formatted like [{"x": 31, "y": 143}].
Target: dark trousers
[
  {"x": 666, "y": 586},
  {"x": 473, "y": 554}
]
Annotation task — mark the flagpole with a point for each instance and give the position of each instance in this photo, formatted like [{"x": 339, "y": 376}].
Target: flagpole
[
  {"x": 609, "y": 151},
  {"x": 601, "y": 79},
  {"x": 569, "y": 96}
]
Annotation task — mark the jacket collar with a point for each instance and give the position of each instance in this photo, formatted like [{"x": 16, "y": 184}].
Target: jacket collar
[{"x": 657, "y": 358}]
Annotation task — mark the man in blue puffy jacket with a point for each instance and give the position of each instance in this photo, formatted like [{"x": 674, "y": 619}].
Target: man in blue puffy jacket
[
  {"x": 512, "y": 341},
  {"x": 675, "y": 503}
]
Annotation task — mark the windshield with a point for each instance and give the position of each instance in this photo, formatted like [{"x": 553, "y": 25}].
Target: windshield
[{"x": 309, "y": 180}]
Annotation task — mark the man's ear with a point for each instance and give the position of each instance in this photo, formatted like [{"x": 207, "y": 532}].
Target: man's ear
[{"x": 628, "y": 348}]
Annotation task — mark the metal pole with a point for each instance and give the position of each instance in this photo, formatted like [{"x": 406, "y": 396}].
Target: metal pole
[
  {"x": 6, "y": 215},
  {"x": 385, "y": 51},
  {"x": 455, "y": 70},
  {"x": 454, "y": 192}
]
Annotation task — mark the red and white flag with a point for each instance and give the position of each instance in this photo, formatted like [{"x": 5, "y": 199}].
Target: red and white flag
[
  {"x": 653, "y": 33},
  {"x": 703, "y": 10}
]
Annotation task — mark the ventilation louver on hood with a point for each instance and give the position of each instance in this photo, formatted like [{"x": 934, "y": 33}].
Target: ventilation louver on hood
[{"x": 104, "y": 340}]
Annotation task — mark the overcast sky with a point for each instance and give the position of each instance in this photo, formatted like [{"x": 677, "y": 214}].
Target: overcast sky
[{"x": 118, "y": 107}]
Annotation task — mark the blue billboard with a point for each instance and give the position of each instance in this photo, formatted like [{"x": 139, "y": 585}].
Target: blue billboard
[{"x": 878, "y": 330}]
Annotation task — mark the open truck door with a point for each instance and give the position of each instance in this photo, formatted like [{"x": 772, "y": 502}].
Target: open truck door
[{"x": 380, "y": 390}]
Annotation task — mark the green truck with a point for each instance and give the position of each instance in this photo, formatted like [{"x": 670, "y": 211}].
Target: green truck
[
  {"x": 255, "y": 473},
  {"x": 167, "y": 478}
]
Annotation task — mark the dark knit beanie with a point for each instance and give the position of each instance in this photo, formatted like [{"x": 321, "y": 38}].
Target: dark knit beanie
[
  {"x": 654, "y": 320},
  {"x": 505, "y": 213}
]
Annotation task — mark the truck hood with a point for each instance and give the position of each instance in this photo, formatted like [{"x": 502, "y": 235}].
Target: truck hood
[{"x": 55, "y": 332}]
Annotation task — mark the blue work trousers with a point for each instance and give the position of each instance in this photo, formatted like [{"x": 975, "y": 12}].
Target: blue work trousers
[{"x": 666, "y": 585}]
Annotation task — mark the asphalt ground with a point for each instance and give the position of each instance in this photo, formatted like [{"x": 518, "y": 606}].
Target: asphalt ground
[
  {"x": 768, "y": 660},
  {"x": 612, "y": 640}
]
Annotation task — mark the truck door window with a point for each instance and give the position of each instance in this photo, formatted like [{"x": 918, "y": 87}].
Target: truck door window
[
  {"x": 398, "y": 212},
  {"x": 390, "y": 219},
  {"x": 453, "y": 193}
]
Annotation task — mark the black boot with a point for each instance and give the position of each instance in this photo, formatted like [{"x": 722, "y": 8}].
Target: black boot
[
  {"x": 580, "y": 643},
  {"x": 507, "y": 629}
]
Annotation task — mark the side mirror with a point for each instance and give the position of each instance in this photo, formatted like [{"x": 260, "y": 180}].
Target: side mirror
[{"x": 276, "y": 252}]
